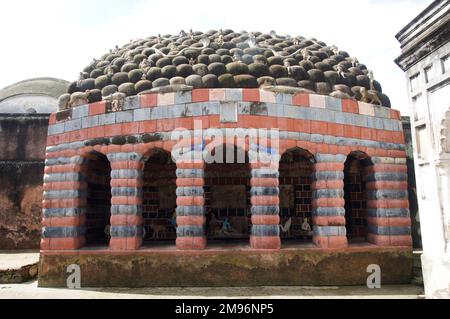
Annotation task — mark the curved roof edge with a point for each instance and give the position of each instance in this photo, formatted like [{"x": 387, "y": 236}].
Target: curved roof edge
[{"x": 37, "y": 86}]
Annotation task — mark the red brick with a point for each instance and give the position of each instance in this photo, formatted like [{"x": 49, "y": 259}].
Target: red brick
[
  {"x": 265, "y": 220},
  {"x": 251, "y": 95},
  {"x": 125, "y": 243},
  {"x": 350, "y": 106},
  {"x": 335, "y": 129},
  {"x": 149, "y": 100},
  {"x": 200, "y": 95},
  {"x": 334, "y": 242},
  {"x": 318, "y": 127},
  {"x": 97, "y": 108},
  {"x": 395, "y": 115},
  {"x": 113, "y": 130},
  {"x": 52, "y": 119},
  {"x": 273, "y": 243},
  {"x": 191, "y": 220},
  {"x": 301, "y": 99},
  {"x": 191, "y": 243}
]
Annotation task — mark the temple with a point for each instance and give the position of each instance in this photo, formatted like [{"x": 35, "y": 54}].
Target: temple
[{"x": 225, "y": 159}]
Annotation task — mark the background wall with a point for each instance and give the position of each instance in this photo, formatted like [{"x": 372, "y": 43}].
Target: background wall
[{"x": 22, "y": 145}]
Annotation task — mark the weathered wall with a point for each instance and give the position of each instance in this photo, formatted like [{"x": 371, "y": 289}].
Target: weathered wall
[{"x": 22, "y": 145}]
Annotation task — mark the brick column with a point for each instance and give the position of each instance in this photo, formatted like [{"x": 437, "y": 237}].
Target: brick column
[
  {"x": 265, "y": 205},
  {"x": 191, "y": 218},
  {"x": 126, "y": 201},
  {"x": 64, "y": 204},
  {"x": 387, "y": 202},
  {"x": 328, "y": 202}
]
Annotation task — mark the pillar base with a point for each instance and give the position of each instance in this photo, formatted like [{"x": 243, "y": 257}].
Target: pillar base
[
  {"x": 331, "y": 241},
  {"x": 191, "y": 243},
  {"x": 381, "y": 240},
  {"x": 132, "y": 243},
  {"x": 265, "y": 242},
  {"x": 63, "y": 243}
]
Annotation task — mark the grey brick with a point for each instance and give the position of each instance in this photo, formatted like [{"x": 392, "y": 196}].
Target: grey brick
[
  {"x": 126, "y": 210},
  {"x": 233, "y": 94},
  {"x": 378, "y": 123},
  {"x": 183, "y": 97},
  {"x": 107, "y": 119},
  {"x": 228, "y": 113},
  {"x": 273, "y": 109},
  {"x": 317, "y": 138},
  {"x": 265, "y": 230},
  {"x": 142, "y": 114},
  {"x": 333, "y": 103},
  {"x": 72, "y": 125},
  {"x": 329, "y": 211},
  {"x": 382, "y": 112},
  {"x": 63, "y": 232},
  {"x": 90, "y": 121},
  {"x": 126, "y": 231},
  {"x": 190, "y": 231},
  {"x": 80, "y": 111},
  {"x": 56, "y": 129},
  {"x": 190, "y": 210},
  {"x": 211, "y": 108},
  {"x": 265, "y": 210},
  {"x": 132, "y": 103},
  {"x": 285, "y": 99},
  {"x": 194, "y": 109},
  {"x": 329, "y": 231},
  {"x": 124, "y": 117},
  {"x": 361, "y": 120},
  {"x": 158, "y": 113}
]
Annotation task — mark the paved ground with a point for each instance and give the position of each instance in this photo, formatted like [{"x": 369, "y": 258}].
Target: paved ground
[
  {"x": 31, "y": 291},
  {"x": 18, "y": 259}
]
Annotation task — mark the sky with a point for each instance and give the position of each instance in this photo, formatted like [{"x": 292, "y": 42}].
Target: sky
[{"x": 58, "y": 38}]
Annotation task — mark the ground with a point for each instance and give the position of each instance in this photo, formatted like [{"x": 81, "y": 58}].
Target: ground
[{"x": 31, "y": 291}]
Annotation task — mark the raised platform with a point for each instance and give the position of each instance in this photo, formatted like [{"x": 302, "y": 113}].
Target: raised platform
[
  {"x": 18, "y": 266},
  {"x": 228, "y": 267}
]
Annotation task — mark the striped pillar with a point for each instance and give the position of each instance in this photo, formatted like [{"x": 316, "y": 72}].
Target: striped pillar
[
  {"x": 191, "y": 220},
  {"x": 328, "y": 202},
  {"x": 265, "y": 206},
  {"x": 64, "y": 204},
  {"x": 387, "y": 202},
  {"x": 126, "y": 201}
]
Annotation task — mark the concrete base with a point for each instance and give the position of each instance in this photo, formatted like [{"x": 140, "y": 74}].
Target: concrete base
[
  {"x": 436, "y": 275},
  {"x": 227, "y": 267}
]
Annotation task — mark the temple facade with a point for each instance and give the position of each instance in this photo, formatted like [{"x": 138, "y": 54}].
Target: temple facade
[
  {"x": 269, "y": 174},
  {"x": 425, "y": 59}
]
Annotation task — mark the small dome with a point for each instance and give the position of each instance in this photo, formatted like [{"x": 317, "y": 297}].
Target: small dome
[
  {"x": 32, "y": 96},
  {"x": 228, "y": 59}
]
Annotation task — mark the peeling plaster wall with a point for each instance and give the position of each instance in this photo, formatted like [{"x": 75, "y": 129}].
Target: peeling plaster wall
[{"x": 22, "y": 145}]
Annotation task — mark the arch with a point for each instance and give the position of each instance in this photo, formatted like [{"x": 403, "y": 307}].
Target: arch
[
  {"x": 97, "y": 170},
  {"x": 296, "y": 169},
  {"x": 159, "y": 197},
  {"x": 356, "y": 168},
  {"x": 227, "y": 195}
]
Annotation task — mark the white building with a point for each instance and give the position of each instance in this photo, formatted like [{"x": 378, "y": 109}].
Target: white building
[{"x": 425, "y": 58}]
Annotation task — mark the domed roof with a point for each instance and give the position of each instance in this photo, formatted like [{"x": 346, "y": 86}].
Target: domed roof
[
  {"x": 228, "y": 59},
  {"x": 39, "y": 95}
]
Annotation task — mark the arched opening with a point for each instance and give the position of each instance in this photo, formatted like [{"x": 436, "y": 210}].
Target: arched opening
[
  {"x": 355, "y": 194},
  {"x": 98, "y": 196},
  {"x": 227, "y": 196},
  {"x": 296, "y": 168},
  {"x": 159, "y": 199}
]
